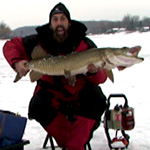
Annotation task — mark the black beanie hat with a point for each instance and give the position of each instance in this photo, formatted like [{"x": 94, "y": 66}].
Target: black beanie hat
[{"x": 59, "y": 8}]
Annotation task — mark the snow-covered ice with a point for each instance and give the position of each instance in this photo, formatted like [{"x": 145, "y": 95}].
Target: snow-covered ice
[{"x": 133, "y": 82}]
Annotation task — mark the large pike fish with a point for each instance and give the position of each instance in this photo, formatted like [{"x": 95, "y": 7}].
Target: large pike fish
[{"x": 76, "y": 63}]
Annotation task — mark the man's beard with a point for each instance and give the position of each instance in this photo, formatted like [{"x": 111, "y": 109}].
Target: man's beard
[{"x": 61, "y": 38}]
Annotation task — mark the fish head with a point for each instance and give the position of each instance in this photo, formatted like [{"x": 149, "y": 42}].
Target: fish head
[
  {"x": 129, "y": 52},
  {"x": 124, "y": 57}
]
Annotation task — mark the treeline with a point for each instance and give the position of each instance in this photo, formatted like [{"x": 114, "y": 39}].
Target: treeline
[{"x": 128, "y": 23}]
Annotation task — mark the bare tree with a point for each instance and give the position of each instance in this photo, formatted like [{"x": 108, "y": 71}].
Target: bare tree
[
  {"x": 131, "y": 22},
  {"x": 146, "y": 21},
  {"x": 4, "y": 31}
]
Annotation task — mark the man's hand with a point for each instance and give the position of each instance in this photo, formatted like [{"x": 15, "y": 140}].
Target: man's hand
[
  {"x": 93, "y": 69},
  {"x": 20, "y": 67}
]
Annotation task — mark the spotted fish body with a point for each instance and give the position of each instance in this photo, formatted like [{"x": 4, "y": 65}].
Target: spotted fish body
[{"x": 76, "y": 63}]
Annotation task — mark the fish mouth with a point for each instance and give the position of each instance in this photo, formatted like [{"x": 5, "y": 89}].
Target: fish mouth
[{"x": 134, "y": 51}]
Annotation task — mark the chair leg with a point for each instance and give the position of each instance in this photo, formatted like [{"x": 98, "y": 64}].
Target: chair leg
[
  {"x": 89, "y": 146},
  {"x": 45, "y": 142},
  {"x": 51, "y": 142}
]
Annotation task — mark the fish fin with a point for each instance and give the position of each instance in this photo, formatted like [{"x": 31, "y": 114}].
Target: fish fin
[
  {"x": 71, "y": 79},
  {"x": 38, "y": 52},
  {"x": 34, "y": 76},
  {"x": 17, "y": 78},
  {"x": 120, "y": 68},
  {"x": 110, "y": 75}
]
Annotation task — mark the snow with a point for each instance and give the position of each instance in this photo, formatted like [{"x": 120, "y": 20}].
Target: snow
[{"x": 133, "y": 82}]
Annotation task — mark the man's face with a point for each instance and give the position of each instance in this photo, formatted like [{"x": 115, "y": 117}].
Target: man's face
[{"x": 60, "y": 25}]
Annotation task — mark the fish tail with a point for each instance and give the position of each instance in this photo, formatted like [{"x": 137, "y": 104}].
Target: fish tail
[{"x": 17, "y": 78}]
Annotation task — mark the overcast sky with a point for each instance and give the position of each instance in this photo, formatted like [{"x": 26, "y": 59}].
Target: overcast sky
[{"x": 18, "y": 13}]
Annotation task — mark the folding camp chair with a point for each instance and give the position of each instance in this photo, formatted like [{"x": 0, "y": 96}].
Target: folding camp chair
[{"x": 53, "y": 147}]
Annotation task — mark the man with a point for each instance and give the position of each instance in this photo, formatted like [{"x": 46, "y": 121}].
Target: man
[{"x": 68, "y": 113}]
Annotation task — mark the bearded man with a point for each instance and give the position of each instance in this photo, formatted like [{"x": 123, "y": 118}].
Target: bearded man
[{"x": 68, "y": 113}]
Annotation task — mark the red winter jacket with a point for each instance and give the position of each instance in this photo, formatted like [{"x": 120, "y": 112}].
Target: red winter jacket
[{"x": 15, "y": 50}]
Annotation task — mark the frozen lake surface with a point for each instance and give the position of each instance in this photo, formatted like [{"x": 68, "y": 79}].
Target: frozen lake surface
[{"x": 133, "y": 82}]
